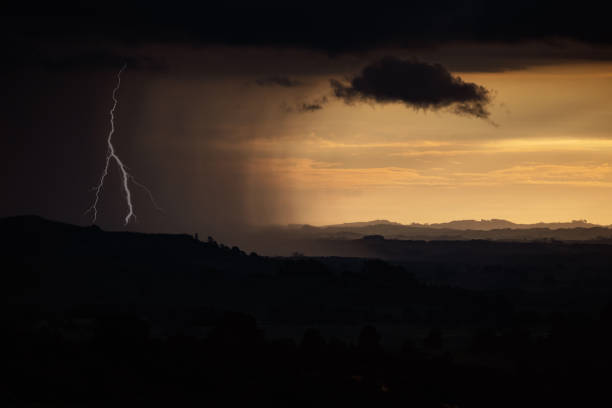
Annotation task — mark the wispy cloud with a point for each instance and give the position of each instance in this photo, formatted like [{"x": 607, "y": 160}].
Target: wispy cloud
[
  {"x": 283, "y": 81},
  {"x": 310, "y": 174}
]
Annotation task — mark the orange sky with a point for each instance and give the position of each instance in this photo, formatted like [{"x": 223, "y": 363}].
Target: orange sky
[{"x": 547, "y": 156}]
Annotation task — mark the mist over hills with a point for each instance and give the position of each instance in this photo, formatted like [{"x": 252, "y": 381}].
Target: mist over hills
[
  {"x": 317, "y": 240},
  {"x": 361, "y": 224}
]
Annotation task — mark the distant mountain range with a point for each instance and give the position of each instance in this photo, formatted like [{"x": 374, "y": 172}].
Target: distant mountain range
[
  {"x": 317, "y": 239},
  {"x": 477, "y": 225}
]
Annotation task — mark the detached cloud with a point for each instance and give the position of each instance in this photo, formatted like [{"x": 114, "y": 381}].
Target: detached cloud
[
  {"x": 416, "y": 84},
  {"x": 279, "y": 81},
  {"x": 308, "y": 106},
  {"x": 315, "y": 105}
]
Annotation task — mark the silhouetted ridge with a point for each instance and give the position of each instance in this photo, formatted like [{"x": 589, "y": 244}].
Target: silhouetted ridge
[{"x": 57, "y": 238}]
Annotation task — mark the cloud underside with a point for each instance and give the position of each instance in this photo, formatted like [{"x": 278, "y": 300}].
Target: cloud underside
[
  {"x": 416, "y": 84},
  {"x": 515, "y": 36},
  {"x": 335, "y": 29}
]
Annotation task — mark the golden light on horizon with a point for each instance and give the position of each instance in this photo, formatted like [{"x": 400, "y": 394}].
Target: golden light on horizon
[{"x": 547, "y": 160}]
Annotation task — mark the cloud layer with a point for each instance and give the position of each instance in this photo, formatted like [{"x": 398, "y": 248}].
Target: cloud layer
[
  {"x": 334, "y": 29},
  {"x": 416, "y": 84}
]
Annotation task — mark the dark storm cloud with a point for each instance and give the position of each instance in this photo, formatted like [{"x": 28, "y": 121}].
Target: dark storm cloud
[
  {"x": 279, "y": 81},
  {"x": 72, "y": 57},
  {"x": 333, "y": 29},
  {"x": 102, "y": 59},
  {"x": 416, "y": 84}
]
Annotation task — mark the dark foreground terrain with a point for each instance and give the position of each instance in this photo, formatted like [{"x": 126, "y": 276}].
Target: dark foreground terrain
[{"x": 94, "y": 318}]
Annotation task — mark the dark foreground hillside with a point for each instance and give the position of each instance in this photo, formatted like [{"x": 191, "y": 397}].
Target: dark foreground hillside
[{"x": 95, "y": 318}]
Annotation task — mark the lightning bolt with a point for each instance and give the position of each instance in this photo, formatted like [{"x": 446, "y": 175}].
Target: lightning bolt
[{"x": 111, "y": 155}]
